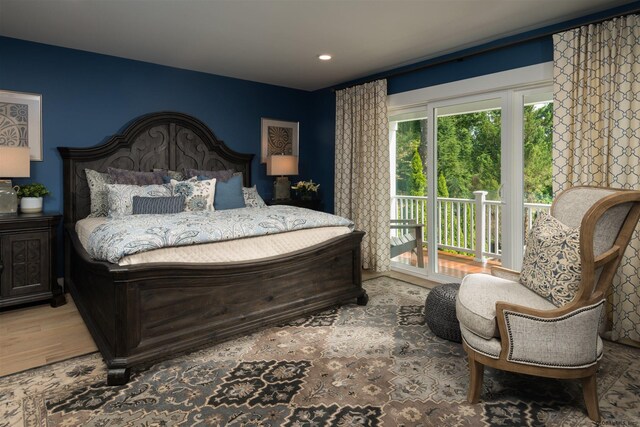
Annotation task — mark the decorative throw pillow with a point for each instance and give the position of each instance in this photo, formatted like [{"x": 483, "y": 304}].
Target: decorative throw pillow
[
  {"x": 551, "y": 266},
  {"x": 168, "y": 175},
  {"x": 121, "y": 196},
  {"x": 222, "y": 175},
  {"x": 98, "y": 192},
  {"x": 252, "y": 199},
  {"x": 124, "y": 176},
  {"x": 158, "y": 205},
  {"x": 229, "y": 195},
  {"x": 198, "y": 195}
]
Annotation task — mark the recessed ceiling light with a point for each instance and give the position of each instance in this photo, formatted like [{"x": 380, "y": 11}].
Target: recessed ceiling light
[{"x": 324, "y": 57}]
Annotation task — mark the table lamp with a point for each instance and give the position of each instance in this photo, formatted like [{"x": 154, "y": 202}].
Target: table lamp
[
  {"x": 14, "y": 163},
  {"x": 281, "y": 165}
]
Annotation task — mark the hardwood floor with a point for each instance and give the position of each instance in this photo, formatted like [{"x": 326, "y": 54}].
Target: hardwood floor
[
  {"x": 419, "y": 281},
  {"x": 39, "y": 335},
  {"x": 451, "y": 264}
]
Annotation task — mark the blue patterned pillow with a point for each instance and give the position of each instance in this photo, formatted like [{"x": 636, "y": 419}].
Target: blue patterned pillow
[
  {"x": 252, "y": 199},
  {"x": 158, "y": 205},
  {"x": 229, "y": 194},
  {"x": 199, "y": 195}
]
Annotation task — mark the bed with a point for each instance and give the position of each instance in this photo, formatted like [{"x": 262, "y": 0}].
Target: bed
[{"x": 147, "y": 311}]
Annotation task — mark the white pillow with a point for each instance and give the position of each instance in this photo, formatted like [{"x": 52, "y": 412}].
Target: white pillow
[
  {"x": 120, "y": 196},
  {"x": 198, "y": 195},
  {"x": 552, "y": 266}
]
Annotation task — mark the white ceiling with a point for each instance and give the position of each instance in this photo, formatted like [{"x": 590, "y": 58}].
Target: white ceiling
[{"x": 278, "y": 41}]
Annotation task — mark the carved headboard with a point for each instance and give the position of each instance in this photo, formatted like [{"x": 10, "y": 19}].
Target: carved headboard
[{"x": 165, "y": 140}]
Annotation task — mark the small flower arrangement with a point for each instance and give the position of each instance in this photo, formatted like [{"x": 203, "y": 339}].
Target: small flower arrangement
[
  {"x": 306, "y": 189},
  {"x": 33, "y": 189}
]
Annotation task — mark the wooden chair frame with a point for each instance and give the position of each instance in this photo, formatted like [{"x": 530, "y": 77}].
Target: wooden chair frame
[
  {"x": 415, "y": 230},
  {"x": 608, "y": 261}
]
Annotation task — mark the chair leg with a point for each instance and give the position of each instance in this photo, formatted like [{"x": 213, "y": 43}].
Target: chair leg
[
  {"x": 420, "y": 255},
  {"x": 590, "y": 393},
  {"x": 476, "y": 374}
]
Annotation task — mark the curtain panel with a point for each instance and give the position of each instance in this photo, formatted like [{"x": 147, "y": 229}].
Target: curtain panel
[
  {"x": 597, "y": 134},
  {"x": 362, "y": 179}
]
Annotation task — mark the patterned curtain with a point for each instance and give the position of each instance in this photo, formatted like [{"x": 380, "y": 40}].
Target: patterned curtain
[
  {"x": 597, "y": 134},
  {"x": 362, "y": 167}
]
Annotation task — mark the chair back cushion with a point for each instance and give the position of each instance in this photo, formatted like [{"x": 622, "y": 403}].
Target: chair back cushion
[
  {"x": 571, "y": 206},
  {"x": 552, "y": 266}
]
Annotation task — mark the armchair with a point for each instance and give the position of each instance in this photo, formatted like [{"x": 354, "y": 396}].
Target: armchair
[
  {"x": 411, "y": 240},
  {"x": 507, "y": 326}
]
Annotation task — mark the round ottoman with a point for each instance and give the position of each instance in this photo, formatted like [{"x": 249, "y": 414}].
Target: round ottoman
[{"x": 440, "y": 312}]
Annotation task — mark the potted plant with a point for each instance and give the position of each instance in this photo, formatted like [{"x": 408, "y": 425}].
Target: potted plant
[
  {"x": 306, "y": 190},
  {"x": 31, "y": 197}
]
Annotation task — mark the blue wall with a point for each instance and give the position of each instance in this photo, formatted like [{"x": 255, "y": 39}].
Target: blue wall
[{"x": 87, "y": 97}]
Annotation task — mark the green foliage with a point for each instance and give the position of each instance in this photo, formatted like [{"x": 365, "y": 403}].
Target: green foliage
[
  {"x": 407, "y": 142},
  {"x": 538, "y": 126},
  {"x": 469, "y": 154},
  {"x": 33, "y": 189},
  {"x": 443, "y": 191},
  {"x": 418, "y": 181}
]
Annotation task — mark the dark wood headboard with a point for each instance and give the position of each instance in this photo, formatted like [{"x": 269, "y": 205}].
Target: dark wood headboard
[{"x": 165, "y": 140}]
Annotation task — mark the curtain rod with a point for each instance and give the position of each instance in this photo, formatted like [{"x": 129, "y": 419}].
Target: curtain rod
[{"x": 452, "y": 57}]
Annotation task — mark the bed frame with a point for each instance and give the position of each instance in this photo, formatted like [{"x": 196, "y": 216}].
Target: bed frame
[{"x": 145, "y": 312}]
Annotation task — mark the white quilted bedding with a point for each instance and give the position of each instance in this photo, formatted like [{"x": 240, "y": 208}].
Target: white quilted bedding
[{"x": 248, "y": 249}]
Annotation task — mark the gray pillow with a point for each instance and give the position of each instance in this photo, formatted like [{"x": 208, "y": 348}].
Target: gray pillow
[
  {"x": 552, "y": 266},
  {"x": 221, "y": 175},
  {"x": 98, "y": 192},
  {"x": 157, "y": 205},
  {"x": 127, "y": 177}
]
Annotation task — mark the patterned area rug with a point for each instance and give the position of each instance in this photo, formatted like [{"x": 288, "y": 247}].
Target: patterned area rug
[{"x": 350, "y": 366}]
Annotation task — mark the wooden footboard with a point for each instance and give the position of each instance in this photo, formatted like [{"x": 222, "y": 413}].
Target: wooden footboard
[{"x": 144, "y": 312}]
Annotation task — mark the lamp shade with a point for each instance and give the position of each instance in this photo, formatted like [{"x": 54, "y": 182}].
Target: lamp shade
[
  {"x": 282, "y": 165},
  {"x": 14, "y": 162}
]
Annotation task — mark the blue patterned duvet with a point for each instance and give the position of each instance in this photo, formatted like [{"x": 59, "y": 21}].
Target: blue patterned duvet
[{"x": 119, "y": 237}]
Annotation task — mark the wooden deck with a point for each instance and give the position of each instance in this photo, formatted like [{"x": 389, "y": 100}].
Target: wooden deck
[{"x": 451, "y": 264}]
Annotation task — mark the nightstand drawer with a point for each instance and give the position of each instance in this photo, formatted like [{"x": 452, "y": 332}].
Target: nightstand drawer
[
  {"x": 25, "y": 263},
  {"x": 28, "y": 259}
]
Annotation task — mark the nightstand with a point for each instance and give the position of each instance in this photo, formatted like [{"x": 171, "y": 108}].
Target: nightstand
[
  {"x": 308, "y": 204},
  {"x": 28, "y": 259}
]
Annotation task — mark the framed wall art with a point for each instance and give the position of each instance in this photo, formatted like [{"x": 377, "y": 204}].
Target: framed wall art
[
  {"x": 21, "y": 121},
  {"x": 279, "y": 137}
]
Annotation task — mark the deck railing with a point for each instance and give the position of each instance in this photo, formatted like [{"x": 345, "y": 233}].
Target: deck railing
[{"x": 464, "y": 222}]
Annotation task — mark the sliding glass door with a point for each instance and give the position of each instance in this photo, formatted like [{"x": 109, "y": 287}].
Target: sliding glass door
[
  {"x": 466, "y": 181},
  {"x": 474, "y": 171}
]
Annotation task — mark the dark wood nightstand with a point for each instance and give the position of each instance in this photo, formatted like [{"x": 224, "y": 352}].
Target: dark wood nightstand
[
  {"x": 28, "y": 259},
  {"x": 308, "y": 204}
]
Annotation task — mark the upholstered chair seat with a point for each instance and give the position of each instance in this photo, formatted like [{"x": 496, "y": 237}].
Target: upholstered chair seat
[
  {"x": 545, "y": 320},
  {"x": 477, "y": 298}
]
